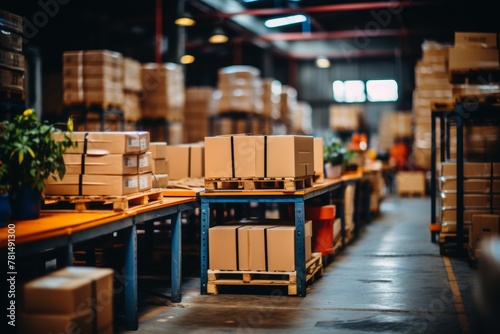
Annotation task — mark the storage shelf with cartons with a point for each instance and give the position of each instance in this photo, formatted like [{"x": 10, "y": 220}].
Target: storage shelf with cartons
[{"x": 468, "y": 183}]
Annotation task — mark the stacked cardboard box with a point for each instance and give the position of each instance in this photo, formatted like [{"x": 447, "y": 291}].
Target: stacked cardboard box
[
  {"x": 394, "y": 125},
  {"x": 132, "y": 90},
  {"x": 301, "y": 119},
  {"x": 431, "y": 86},
  {"x": 160, "y": 164},
  {"x": 241, "y": 89},
  {"x": 271, "y": 98},
  {"x": 105, "y": 163},
  {"x": 346, "y": 117},
  {"x": 200, "y": 105},
  {"x": 483, "y": 227},
  {"x": 288, "y": 103},
  {"x": 256, "y": 247},
  {"x": 474, "y": 50},
  {"x": 257, "y": 156},
  {"x": 76, "y": 299},
  {"x": 319, "y": 161},
  {"x": 164, "y": 91},
  {"x": 186, "y": 160},
  {"x": 411, "y": 182},
  {"x": 93, "y": 77},
  {"x": 12, "y": 62}
]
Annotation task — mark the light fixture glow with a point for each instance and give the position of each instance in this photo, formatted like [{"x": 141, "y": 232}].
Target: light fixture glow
[
  {"x": 185, "y": 20},
  {"x": 283, "y": 21},
  {"x": 218, "y": 37},
  {"x": 187, "y": 59},
  {"x": 322, "y": 62}
]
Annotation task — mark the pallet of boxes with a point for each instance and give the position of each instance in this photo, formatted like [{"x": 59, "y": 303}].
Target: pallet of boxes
[
  {"x": 106, "y": 168},
  {"x": 12, "y": 62},
  {"x": 258, "y": 252}
]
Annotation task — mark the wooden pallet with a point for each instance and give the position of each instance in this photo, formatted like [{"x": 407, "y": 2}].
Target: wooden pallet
[
  {"x": 216, "y": 278},
  {"x": 265, "y": 183},
  {"x": 88, "y": 203}
]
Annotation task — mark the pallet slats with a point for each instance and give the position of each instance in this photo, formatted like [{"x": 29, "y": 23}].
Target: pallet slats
[
  {"x": 87, "y": 203},
  {"x": 314, "y": 268},
  {"x": 284, "y": 183}
]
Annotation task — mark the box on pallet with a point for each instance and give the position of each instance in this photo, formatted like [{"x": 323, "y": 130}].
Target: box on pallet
[
  {"x": 108, "y": 164},
  {"x": 98, "y": 185},
  {"x": 189, "y": 161},
  {"x": 252, "y": 247},
  {"x": 483, "y": 226},
  {"x": 222, "y": 247}
]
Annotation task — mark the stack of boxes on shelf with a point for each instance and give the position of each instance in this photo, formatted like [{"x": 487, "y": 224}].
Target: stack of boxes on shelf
[
  {"x": 481, "y": 198},
  {"x": 105, "y": 163},
  {"x": 301, "y": 119},
  {"x": 84, "y": 304},
  {"x": 473, "y": 50},
  {"x": 241, "y": 90},
  {"x": 160, "y": 164},
  {"x": 12, "y": 62},
  {"x": 164, "y": 100},
  {"x": 288, "y": 105},
  {"x": 271, "y": 98},
  {"x": 431, "y": 86},
  {"x": 346, "y": 117},
  {"x": 189, "y": 161},
  {"x": 255, "y": 246},
  {"x": 394, "y": 126},
  {"x": 200, "y": 105},
  {"x": 132, "y": 92}
]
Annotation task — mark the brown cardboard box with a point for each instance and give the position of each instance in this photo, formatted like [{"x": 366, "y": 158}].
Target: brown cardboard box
[
  {"x": 12, "y": 60},
  {"x": 319, "y": 162},
  {"x": 160, "y": 180},
  {"x": 159, "y": 149},
  {"x": 290, "y": 156},
  {"x": 189, "y": 161},
  {"x": 93, "y": 185},
  {"x": 73, "y": 58},
  {"x": 68, "y": 295},
  {"x": 108, "y": 164},
  {"x": 410, "y": 182},
  {"x": 471, "y": 169},
  {"x": 450, "y": 214},
  {"x": 131, "y": 74},
  {"x": 468, "y": 39},
  {"x": 160, "y": 166},
  {"x": 471, "y": 200},
  {"x": 252, "y": 247},
  {"x": 112, "y": 142},
  {"x": 102, "y": 57},
  {"x": 222, "y": 247},
  {"x": 145, "y": 181},
  {"x": 473, "y": 58},
  {"x": 73, "y": 323},
  {"x": 483, "y": 226},
  {"x": 281, "y": 247},
  {"x": 244, "y": 247},
  {"x": 471, "y": 185},
  {"x": 145, "y": 162},
  {"x": 234, "y": 156},
  {"x": 102, "y": 290}
]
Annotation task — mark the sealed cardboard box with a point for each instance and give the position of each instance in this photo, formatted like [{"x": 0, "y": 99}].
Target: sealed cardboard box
[
  {"x": 468, "y": 39},
  {"x": 281, "y": 247},
  {"x": 76, "y": 322},
  {"x": 411, "y": 182},
  {"x": 159, "y": 180},
  {"x": 471, "y": 169},
  {"x": 471, "y": 185},
  {"x": 483, "y": 226},
  {"x": 102, "y": 290},
  {"x": 111, "y": 142},
  {"x": 108, "y": 164},
  {"x": 471, "y": 200},
  {"x": 93, "y": 185},
  {"x": 189, "y": 161},
  {"x": 244, "y": 247},
  {"x": 159, "y": 149},
  {"x": 252, "y": 247},
  {"x": 473, "y": 58},
  {"x": 145, "y": 181},
  {"x": 72, "y": 295},
  {"x": 289, "y": 156},
  {"x": 319, "y": 162},
  {"x": 145, "y": 162},
  {"x": 222, "y": 247},
  {"x": 160, "y": 166},
  {"x": 102, "y": 57}
]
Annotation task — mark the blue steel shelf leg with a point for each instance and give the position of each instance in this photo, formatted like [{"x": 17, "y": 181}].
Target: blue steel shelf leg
[
  {"x": 130, "y": 280},
  {"x": 205, "y": 224},
  {"x": 300, "y": 262},
  {"x": 176, "y": 256}
]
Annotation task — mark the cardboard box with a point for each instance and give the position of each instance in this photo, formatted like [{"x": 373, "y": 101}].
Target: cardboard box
[
  {"x": 281, "y": 247},
  {"x": 145, "y": 163},
  {"x": 72, "y": 323},
  {"x": 189, "y": 161},
  {"x": 450, "y": 214},
  {"x": 465, "y": 59},
  {"x": 102, "y": 290},
  {"x": 222, "y": 247},
  {"x": 159, "y": 149},
  {"x": 289, "y": 156},
  {"x": 108, "y": 164},
  {"x": 92, "y": 185},
  {"x": 471, "y": 169},
  {"x": 475, "y": 39},
  {"x": 411, "y": 182},
  {"x": 252, "y": 247},
  {"x": 68, "y": 295},
  {"x": 471, "y": 185},
  {"x": 483, "y": 226},
  {"x": 471, "y": 200},
  {"x": 160, "y": 166},
  {"x": 111, "y": 142},
  {"x": 102, "y": 57},
  {"x": 159, "y": 180},
  {"x": 12, "y": 60},
  {"x": 145, "y": 181},
  {"x": 319, "y": 162}
]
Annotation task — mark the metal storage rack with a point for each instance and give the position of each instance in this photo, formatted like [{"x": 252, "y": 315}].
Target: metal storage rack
[{"x": 466, "y": 111}]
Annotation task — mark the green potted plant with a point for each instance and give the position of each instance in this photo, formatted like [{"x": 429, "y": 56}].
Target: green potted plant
[
  {"x": 336, "y": 156},
  {"x": 29, "y": 155}
]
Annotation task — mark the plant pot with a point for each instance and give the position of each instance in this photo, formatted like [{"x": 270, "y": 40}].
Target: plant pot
[
  {"x": 333, "y": 171},
  {"x": 27, "y": 204},
  {"x": 5, "y": 209}
]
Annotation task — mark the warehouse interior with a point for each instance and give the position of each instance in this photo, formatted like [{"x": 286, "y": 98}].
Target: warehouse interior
[{"x": 398, "y": 99}]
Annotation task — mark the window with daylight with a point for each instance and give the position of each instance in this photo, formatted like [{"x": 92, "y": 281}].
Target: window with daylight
[
  {"x": 349, "y": 91},
  {"x": 382, "y": 90}
]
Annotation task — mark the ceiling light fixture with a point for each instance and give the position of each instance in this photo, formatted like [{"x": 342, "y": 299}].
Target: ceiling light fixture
[
  {"x": 187, "y": 59},
  {"x": 322, "y": 62},
  {"x": 185, "y": 20},
  {"x": 218, "y": 36},
  {"x": 283, "y": 21}
]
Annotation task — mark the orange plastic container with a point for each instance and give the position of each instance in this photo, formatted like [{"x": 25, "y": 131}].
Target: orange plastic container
[{"x": 322, "y": 217}]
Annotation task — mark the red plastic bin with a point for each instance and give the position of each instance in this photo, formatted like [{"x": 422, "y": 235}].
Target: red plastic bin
[{"x": 322, "y": 217}]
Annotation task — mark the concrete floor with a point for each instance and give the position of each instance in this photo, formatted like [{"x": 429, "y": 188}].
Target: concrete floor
[{"x": 390, "y": 279}]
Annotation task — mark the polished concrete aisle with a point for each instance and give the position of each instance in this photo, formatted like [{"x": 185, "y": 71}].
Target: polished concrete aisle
[{"x": 390, "y": 279}]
